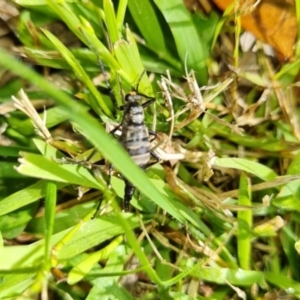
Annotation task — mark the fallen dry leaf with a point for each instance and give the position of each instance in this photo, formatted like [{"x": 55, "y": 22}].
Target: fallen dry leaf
[{"x": 271, "y": 21}]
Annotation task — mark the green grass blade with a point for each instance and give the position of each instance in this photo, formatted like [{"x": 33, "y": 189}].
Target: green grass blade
[
  {"x": 244, "y": 223},
  {"x": 148, "y": 24},
  {"x": 288, "y": 197},
  {"x": 83, "y": 30},
  {"x": 291, "y": 286},
  {"x": 86, "y": 237},
  {"x": 25, "y": 196},
  {"x": 111, "y": 21},
  {"x": 83, "y": 268},
  {"x": 221, "y": 22},
  {"x": 233, "y": 276},
  {"x": 252, "y": 167},
  {"x": 289, "y": 239},
  {"x": 77, "y": 68},
  {"x": 50, "y": 204},
  {"x": 38, "y": 166},
  {"x": 191, "y": 49},
  {"x": 127, "y": 52},
  {"x": 121, "y": 13}
]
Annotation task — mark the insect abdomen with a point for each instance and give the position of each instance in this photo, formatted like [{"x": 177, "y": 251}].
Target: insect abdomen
[{"x": 135, "y": 139}]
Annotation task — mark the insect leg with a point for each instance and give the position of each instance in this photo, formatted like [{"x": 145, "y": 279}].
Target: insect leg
[
  {"x": 139, "y": 80},
  {"x": 152, "y": 153},
  {"x": 110, "y": 166},
  {"x": 154, "y": 134},
  {"x": 115, "y": 129},
  {"x": 108, "y": 185},
  {"x": 147, "y": 103},
  {"x": 98, "y": 207},
  {"x": 155, "y": 156}
]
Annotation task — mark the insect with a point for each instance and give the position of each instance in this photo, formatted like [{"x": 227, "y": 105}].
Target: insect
[{"x": 135, "y": 137}]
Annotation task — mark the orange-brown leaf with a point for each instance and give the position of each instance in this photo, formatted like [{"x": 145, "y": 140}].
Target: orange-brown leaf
[{"x": 271, "y": 21}]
